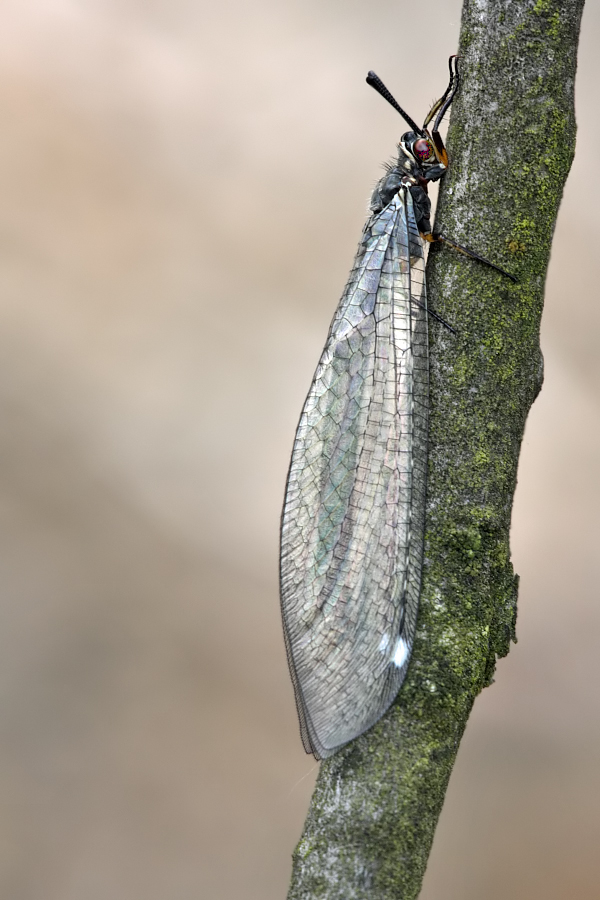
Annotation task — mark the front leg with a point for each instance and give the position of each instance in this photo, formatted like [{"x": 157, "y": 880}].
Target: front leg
[{"x": 421, "y": 206}]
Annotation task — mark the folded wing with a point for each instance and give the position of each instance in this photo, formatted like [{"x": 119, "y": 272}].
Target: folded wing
[{"x": 353, "y": 519}]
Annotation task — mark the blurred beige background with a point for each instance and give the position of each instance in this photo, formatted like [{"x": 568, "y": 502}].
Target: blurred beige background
[{"x": 183, "y": 186}]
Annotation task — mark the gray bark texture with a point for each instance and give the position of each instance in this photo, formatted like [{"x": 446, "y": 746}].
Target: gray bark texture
[{"x": 511, "y": 142}]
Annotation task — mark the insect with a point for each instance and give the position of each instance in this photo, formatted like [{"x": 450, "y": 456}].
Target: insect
[{"x": 354, "y": 515}]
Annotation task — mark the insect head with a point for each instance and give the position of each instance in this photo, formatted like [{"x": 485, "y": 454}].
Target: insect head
[{"x": 425, "y": 159}]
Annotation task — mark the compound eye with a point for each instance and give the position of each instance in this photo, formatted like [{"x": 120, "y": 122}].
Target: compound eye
[{"x": 423, "y": 149}]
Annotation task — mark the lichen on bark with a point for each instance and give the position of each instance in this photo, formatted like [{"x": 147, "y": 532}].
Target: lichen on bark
[{"x": 511, "y": 141}]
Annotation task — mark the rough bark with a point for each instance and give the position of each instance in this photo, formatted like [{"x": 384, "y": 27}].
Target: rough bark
[{"x": 511, "y": 141}]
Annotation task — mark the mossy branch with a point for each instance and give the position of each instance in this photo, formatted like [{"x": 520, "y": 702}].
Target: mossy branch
[{"x": 511, "y": 141}]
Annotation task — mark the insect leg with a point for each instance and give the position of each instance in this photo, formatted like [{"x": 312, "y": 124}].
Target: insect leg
[
  {"x": 434, "y": 315},
  {"x": 440, "y": 108},
  {"x": 451, "y": 87},
  {"x": 434, "y": 238}
]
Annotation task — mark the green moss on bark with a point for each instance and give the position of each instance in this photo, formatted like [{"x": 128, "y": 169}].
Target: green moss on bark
[{"x": 511, "y": 142}]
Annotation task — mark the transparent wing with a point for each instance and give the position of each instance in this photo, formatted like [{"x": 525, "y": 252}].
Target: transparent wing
[{"x": 353, "y": 519}]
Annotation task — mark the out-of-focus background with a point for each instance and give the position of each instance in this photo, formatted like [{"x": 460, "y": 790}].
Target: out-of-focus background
[{"x": 182, "y": 189}]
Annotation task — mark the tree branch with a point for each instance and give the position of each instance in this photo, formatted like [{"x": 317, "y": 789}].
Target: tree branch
[{"x": 511, "y": 141}]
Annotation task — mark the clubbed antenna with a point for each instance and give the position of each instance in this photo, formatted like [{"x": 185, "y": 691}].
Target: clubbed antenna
[{"x": 376, "y": 82}]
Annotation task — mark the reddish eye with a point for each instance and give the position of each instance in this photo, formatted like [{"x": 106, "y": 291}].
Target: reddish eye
[{"x": 422, "y": 149}]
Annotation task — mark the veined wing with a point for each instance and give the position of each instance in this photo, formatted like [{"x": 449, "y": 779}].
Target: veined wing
[{"x": 353, "y": 519}]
